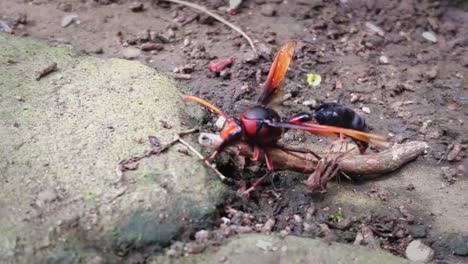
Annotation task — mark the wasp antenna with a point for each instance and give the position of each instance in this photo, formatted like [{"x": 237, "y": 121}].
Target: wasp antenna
[{"x": 207, "y": 105}]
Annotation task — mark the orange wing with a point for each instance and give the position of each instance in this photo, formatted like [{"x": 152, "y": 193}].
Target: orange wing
[
  {"x": 207, "y": 105},
  {"x": 278, "y": 69},
  {"x": 331, "y": 132}
]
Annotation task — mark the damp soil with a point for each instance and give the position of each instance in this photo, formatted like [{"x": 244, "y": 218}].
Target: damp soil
[{"x": 402, "y": 65}]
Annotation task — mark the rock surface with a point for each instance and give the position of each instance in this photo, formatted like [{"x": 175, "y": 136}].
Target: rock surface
[
  {"x": 260, "y": 249},
  {"x": 60, "y": 147},
  {"x": 418, "y": 252}
]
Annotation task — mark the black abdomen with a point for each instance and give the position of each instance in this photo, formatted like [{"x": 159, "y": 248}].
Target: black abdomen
[{"x": 333, "y": 114}]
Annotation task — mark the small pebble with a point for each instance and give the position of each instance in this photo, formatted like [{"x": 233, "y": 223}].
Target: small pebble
[
  {"x": 201, "y": 236},
  {"x": 96, "y": 260},
  {"x": 151, "y": 46},
  {"x": 287, "y": 97},
  {"x": 432, "y": 73},
  {"x": 186, "y": 42},
  {"x": 417, "y": 231},
  {"x": 268, "y": 10},
  {"x": 268, "y": 225},
  {"x": 284, "y": 233},
  {"x": 69, "y": 19},
  {"x": 462, "y": 170},
  {"x": 225, "y": 74},
  {"x": 459, "y": 246},
  {"x": 417, "y": 251},
  {"x": 97, "y": 50},
  {"x": 297, "y": 218},
  {"x": 171, "y": 252},
  {"x": 312, "y": 103},
  {"x": 354, "y": 98},
  {"x": 194, "y": 248},
  {"x": 5, "y": 27},
  {"x": 453, "y": 153},
  {"x": 234, "y": 4},
  {"x": 430, "y": 36},
  {"x": 375, "y": 29},
  {"x": 131, "y": 53},
  {"x": 383, "y": 59},
  {"x": 137, "y": 7},
  {"x": 242, "y": 229},
  {"x": 366, "y": 109}
]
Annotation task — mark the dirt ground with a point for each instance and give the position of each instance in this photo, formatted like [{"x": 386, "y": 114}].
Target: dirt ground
[{"x": 402, "y": 65}]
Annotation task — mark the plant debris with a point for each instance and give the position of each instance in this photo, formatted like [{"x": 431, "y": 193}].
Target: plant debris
[
  {"x": 5, "y": 28},
  {"x": 219, "y": 18},
  {"x": 45, "y": 71},
  {"x": 131, "y": 163},
  {"x": 221, "y": 64},
  {"x": 313, "y": 79},
  {"x": 357, "y": 166}
]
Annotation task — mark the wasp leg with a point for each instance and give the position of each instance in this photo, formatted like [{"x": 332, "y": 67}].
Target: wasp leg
[
  {"x": 211, "y": 156},
  {"x": 254, "y": 186},
  {"x": 342, "y": 141},
  {"x": 268, "y": 162},
  {"x": 256, "y": 153}
]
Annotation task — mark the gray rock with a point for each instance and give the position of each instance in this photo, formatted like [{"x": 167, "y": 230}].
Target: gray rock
[
  {"x": 136, "y": 6},
  {"x": 383, "y": 59},
  {"x": 234, "y": 4},
  {"x": 131, "y": 53},
  {"x": 65, "y": 155},
  {"x": 366, "y": 109},
  {"x": 430, "y": 36},
  {"x": 268, "y": 10},
  {"x": 417, "y": 251},
  {"x": 459, "y": 246},
  {"x": 375, "y": 29},
  {"x": 69, "y": 19},
  {"x": 417, "y": 231},
  {"x": 312, "y": 103},
  {"x": 263, "y": 249}
]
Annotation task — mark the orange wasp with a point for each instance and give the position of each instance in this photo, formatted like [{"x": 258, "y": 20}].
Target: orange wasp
[{"x": 262, "y": 126}]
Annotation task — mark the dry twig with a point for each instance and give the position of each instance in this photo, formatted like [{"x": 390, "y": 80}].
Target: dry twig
[
  {"x": 217, "y": 17},
  {"x": 356, "y": 165},
  {"x": 43, "y": 72},
  {"x": 199, "y": 155},
  {"x": 131, "y": 163}
]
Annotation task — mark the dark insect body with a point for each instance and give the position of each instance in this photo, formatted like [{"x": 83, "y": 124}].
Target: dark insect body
[
  {"x": 261, "y": 126},
  {"x": 333, "y": 114},
  {"x": 255, "y": 123}
]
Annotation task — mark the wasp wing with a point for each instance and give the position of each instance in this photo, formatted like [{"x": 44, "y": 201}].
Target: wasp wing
[
  {"x": 273, "y": 83},
  {"x": 331, "y": 132}
]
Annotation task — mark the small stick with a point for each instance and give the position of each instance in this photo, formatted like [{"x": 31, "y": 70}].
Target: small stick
[
  {"x": 190, "y": 20},
  {"x": 182, "y": 76},
  {"x": 356, "y": 165},
  {"x": 199, "y": 155},
  {"x": 50, "y": 68},
  {"x": 219, "y": 18},
  {"x": 121, "y": 166}
]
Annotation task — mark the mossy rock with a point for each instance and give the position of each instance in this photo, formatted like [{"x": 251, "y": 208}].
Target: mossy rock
[
  {"x": 264, "y": 249},
  {"x": 62, "y": 139}
]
